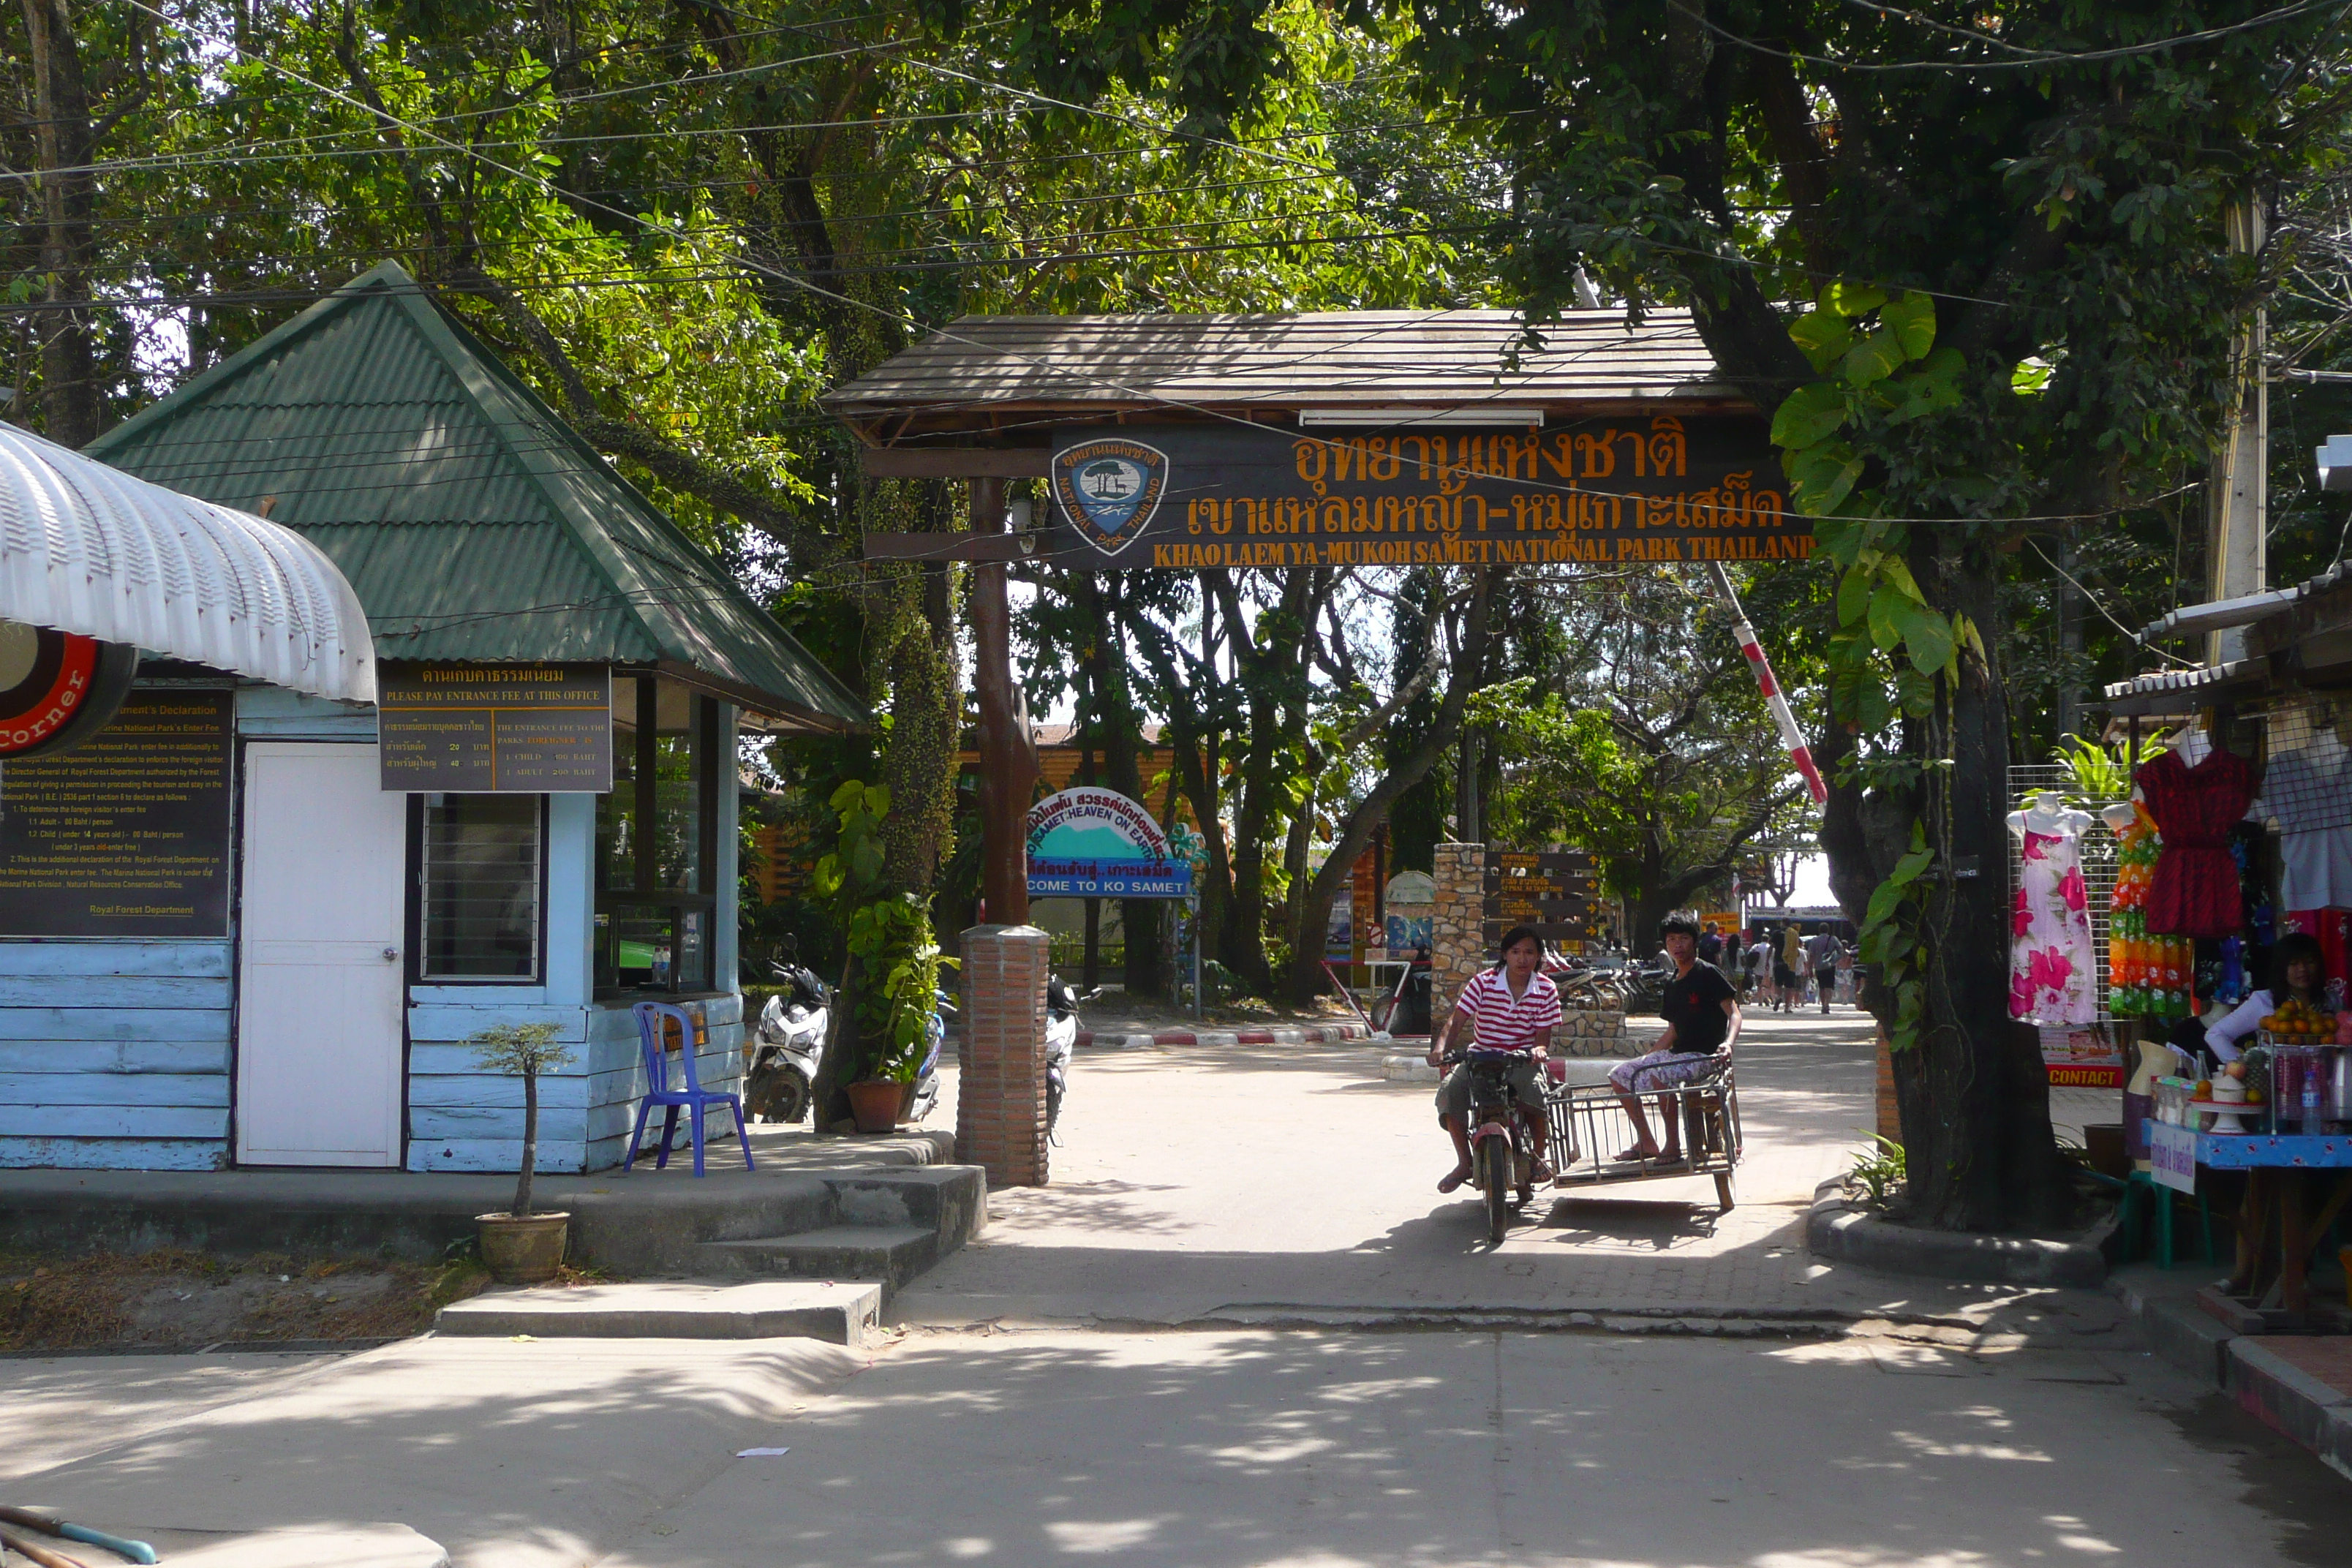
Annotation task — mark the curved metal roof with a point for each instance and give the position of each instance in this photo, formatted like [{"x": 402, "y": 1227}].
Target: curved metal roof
[{"x": 87, "y": 549}]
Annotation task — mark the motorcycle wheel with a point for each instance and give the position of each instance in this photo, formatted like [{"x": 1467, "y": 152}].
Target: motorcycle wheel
[
  {"x": 776, "y": 1093},
  {"x": 1495, "y": 1154}
]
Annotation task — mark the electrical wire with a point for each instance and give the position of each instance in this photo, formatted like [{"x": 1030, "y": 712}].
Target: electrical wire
[
  {"x": 1141, "y": 394},
  {"x": 2051, "y": 60}
]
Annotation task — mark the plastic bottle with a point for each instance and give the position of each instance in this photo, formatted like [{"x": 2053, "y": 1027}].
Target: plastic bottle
[{"x": 2311, "y": 1098}]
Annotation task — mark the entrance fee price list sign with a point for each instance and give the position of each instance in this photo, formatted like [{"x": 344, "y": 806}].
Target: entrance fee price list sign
[
  {"x": 128, "y": 834},
  {"x": 493, "y": 729}
]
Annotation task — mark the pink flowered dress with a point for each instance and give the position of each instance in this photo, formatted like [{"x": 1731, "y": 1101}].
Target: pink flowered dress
[{"x": 2053, "y": 975}]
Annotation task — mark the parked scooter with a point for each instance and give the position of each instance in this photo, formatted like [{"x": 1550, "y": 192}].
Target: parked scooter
[
  {"x": 1062, "y": 1005},
  {"x": 788, "y": 1043},
  {"x": 927, "y": 1077},
  {"x": 1645, "y": 985}
]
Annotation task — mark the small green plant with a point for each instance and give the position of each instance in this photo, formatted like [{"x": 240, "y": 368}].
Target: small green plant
[
  {"x": 525, "y": 1050},
  {"x": 1881, "y": 1171},
  {"x": 2100, "y": 775},
  {"x": 898, "y": 960}
]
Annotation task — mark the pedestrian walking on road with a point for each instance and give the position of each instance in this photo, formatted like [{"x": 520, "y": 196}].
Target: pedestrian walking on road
[
  {"x": 1789, "y": 971},
  {"x": 1820, "y": 954}
]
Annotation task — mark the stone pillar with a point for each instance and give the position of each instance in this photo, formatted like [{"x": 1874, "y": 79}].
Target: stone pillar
[
  {"x": 1457, "y": 931},
  {"x": 1001, "y": 1098}
]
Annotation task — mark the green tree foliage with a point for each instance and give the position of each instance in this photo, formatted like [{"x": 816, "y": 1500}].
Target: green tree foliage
[
  {"x": 1942, "y": 201},
  {"x": 1645, "y": 739}
]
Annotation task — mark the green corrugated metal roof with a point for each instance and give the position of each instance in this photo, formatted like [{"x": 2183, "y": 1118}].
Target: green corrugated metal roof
[{"x": 472, "y": 521}]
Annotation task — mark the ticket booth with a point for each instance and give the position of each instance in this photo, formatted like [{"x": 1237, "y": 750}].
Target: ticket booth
[{"x": 251, "y": 926}]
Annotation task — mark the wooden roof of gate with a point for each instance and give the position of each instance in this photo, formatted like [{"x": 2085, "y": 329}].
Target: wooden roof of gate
[{"x": 1005, "y": 380}]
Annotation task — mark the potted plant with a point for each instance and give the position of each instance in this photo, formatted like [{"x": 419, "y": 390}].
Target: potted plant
[
  {"x": 894, "y": 937},
  {"x": 521, "y": 1247}
]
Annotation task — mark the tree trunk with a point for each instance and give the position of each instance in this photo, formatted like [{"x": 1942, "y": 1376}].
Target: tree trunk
[
  {"x": 69, "y": 400},
  {"x": 530, "y": 1142},
  {"x": 1105, "y": 662},
  {"x": 1306, "y": 978},
  {"x": 1973, "y": 1095}
]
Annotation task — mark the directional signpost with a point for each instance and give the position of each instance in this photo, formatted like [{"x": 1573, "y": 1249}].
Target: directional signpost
[{"x": 1553, "y": 891}]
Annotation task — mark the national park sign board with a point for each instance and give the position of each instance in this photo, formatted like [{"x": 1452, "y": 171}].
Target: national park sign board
[{"x": 1224, "y": 494}]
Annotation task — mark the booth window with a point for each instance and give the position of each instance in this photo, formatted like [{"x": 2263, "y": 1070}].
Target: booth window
[
  {"x": 481, "y": 878},
  {"x": 656, "y": 833}
]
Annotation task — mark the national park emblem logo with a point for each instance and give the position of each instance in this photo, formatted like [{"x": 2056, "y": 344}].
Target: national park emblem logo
[{"x": 1108, "y": 489}]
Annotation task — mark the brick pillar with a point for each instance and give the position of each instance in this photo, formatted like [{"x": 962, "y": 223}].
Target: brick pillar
[
  {"x": 1001, "y": 1098},
  {"x": 1457, "y": 930}
]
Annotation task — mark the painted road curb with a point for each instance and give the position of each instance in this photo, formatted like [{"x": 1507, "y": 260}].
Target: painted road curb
[
  {"x": 1836, "y": 1229},
  {"x": 2266, "y": 1385},
  {"x": 1287, "y": 1035}
]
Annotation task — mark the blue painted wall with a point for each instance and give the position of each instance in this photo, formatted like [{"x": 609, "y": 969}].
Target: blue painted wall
[{"x": 117, "y": 1055}]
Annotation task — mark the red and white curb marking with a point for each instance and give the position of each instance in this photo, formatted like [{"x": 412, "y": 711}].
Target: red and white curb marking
[{"x": 1294, "y": 1035}]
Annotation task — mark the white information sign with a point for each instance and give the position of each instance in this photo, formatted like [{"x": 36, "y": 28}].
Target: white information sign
[{"x": 2172, "y": 1156}]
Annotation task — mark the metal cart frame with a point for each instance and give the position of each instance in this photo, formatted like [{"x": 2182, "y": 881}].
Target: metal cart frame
[{"x": 1588, "y": 1124}]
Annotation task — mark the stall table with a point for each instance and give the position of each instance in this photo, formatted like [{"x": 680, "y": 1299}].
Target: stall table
[{"x": 2281, "y": 1169}]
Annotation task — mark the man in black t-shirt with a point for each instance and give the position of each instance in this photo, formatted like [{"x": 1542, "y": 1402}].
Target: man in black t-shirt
[{"x": 1702, "y": 1014}]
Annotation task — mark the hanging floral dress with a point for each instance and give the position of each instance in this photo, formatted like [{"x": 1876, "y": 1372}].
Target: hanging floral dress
[
  {"x": 2196, "y": 891},
  {"x": 2053, "y": 970},
  {"x": 2147, "y": 976}
]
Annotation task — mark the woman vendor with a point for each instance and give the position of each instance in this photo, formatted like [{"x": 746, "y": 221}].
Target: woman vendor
[{"x": 2296, "y": 971}]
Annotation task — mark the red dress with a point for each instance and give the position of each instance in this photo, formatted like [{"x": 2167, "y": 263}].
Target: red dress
[{"x": 2195, "y": 893}]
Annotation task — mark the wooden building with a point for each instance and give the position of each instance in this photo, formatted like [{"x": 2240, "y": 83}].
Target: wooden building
[{"x": 536, "y": 821}]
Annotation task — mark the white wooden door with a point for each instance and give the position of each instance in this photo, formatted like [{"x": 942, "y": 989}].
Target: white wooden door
[{"x": 319, "y": 971}]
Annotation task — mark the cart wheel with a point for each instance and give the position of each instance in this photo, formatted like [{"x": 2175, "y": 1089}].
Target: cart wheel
[
  {"x": 1496, "y": 1157},
  {"x": 1723, "y": 1189}
]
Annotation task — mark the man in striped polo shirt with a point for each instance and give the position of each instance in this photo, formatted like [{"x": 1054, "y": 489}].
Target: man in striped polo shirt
[{"x": 1514, "y": 1009}]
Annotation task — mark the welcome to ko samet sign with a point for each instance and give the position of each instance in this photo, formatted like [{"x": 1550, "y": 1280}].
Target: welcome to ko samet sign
[{"x": 1229, "y": 494}]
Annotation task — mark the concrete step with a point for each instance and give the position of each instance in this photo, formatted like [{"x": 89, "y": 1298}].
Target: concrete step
[
  {"x": 890, "y": 1254},
  {"x": 839, "y": 1313}
]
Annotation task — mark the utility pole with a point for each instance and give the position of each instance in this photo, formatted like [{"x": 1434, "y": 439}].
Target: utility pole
[{"x": 2236, "y": 559}]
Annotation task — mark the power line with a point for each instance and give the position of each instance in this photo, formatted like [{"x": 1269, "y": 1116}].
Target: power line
[
  {"x": 2042, "y": 61},
  {"x": 1106, "y": 383}
]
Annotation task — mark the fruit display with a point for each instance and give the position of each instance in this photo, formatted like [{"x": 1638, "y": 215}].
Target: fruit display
[{"x": 2296, "y": 1022}]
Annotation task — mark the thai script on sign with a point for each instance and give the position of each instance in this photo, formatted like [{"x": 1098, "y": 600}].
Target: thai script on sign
[{"x": 1662, "y": 488}]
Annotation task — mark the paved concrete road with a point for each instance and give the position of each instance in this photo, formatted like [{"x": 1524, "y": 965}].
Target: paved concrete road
[
  {"x": 1939, "y": 1427},
  {"x": 1245, "y": 1184},
  {"x": 1240, "y": 1449}
]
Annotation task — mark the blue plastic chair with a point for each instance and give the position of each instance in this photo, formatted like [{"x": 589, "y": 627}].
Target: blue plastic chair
[{"x": 693, "y": 1098}]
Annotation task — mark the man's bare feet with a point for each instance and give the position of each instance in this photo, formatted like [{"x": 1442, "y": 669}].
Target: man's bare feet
[{"x": 1459, "y": 1174}]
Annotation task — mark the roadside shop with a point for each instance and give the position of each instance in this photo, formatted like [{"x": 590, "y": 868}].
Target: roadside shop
[
  {"x": 533, "y": 819},
  {"x": 2234, "y": 852}
]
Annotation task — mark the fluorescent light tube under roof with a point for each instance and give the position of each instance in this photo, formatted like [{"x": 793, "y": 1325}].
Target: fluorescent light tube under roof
[{"x": 1479, "y": 415}]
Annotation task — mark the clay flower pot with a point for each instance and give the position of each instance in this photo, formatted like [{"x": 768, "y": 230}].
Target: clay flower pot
[
  {"x": 876, "y": 1104},
  {"x": 522, "y": 1250}
]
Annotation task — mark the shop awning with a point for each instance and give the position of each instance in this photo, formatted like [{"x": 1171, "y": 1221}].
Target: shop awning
[{"x": 86, "y": 548}]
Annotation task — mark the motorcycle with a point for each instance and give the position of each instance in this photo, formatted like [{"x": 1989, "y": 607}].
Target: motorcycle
[
  {"x": 1062, "y": 1006},
  {"x": 927, "y": 1077},
  {"x": 1500, "y": 1158},
  {"x": 788, "y": 1045},
  {"x": 1645, "y": 985}
]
